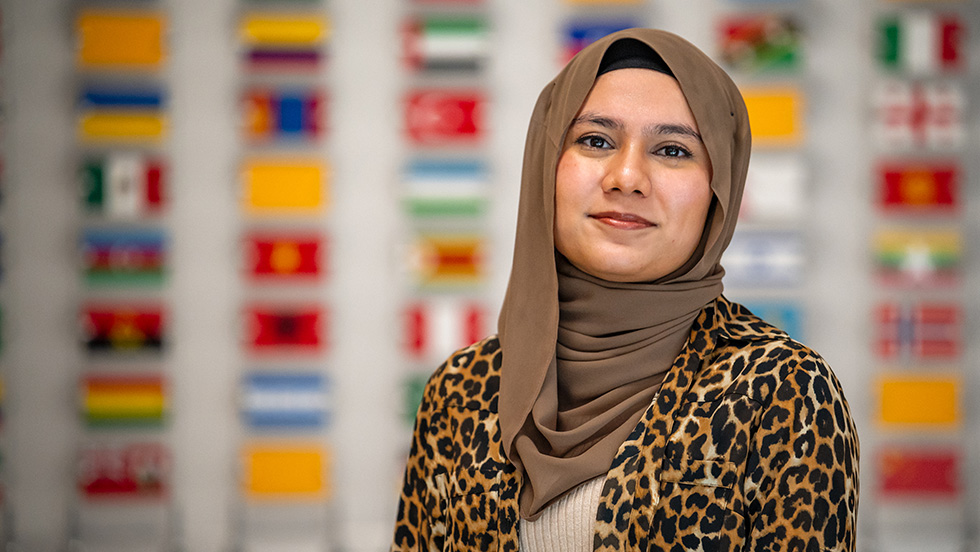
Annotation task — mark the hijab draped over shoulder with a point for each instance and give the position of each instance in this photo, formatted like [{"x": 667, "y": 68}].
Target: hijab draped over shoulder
[{"x": 583, "y": 358}]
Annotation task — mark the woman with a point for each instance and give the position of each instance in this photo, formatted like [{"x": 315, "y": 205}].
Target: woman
[{"x": 626, "y": 404}]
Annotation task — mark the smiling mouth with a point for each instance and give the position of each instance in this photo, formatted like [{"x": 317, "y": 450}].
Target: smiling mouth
[{"x": 626, "y": 221}]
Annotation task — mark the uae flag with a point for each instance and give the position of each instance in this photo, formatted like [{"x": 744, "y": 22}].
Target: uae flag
[
  {"x": 284, "y": 256},
  {"x": 436, "y": 117},
  {"x": 445, "y": 188},
  {"x": 123, "y": 400},
  {"x": 435, "y": 328},
  {"x": 140, "y": 469},
  {"x": 921, "y": 42},
  {"x": 123, "y": 185},
  {"x": 122, "y": 328},
  {"x": 284, "y": 328},
  {"x": 459, "y": 43},
  {"x": 906, "y": 472},
  {"x": 913, "y": 187}
]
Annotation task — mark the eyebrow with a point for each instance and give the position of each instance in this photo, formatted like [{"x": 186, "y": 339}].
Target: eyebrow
[{"x": 659, "y": 128}]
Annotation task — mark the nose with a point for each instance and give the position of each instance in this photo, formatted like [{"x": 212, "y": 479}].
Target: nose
[{"x": 627, "y": 173}]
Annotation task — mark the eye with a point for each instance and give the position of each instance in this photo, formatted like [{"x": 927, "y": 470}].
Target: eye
[
  {"x": 593, "y": 141},
  {"x": 673, "y": 151}
]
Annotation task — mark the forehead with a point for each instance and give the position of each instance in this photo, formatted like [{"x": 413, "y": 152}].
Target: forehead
[{"x": 638, "y": 92}]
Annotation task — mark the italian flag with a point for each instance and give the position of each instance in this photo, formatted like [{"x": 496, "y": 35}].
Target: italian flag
[{"x": 921, "y": 42}]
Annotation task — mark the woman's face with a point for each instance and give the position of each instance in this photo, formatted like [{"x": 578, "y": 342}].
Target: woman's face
[{"x": 633, "y": 183}]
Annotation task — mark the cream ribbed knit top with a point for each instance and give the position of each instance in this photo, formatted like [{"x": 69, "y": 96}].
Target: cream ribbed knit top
[{"x": 567, "y": 525}]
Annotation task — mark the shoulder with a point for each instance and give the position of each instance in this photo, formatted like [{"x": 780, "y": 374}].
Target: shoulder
[{"x": 468, "y": 379}]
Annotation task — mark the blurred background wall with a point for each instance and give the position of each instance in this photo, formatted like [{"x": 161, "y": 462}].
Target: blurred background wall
[{"x": 236, "y": 236}]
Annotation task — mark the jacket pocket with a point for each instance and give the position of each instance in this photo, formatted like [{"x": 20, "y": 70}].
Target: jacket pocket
[{"x": 471, "y": 512}]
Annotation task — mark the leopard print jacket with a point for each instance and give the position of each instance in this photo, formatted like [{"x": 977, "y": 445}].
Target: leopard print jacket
[{"x": 748, "y": 446}]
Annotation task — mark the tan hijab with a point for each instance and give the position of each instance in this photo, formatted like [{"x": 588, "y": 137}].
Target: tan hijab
[{"x": 583, "y": 357}]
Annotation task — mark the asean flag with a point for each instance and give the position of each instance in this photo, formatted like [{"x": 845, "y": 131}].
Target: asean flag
[{"x": 444, "y": 116}]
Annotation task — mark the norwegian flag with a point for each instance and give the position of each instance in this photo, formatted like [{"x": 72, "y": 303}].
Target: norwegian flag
[
  {"x": 444, "y": 116},
  {"x": 915, "y": 114},
  {"x": 435, "y": 328},
  {"x": 922, "y": 331}
]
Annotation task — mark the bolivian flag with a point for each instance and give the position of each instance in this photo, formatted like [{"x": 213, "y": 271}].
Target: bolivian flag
[{"x": 123, "y": 400}]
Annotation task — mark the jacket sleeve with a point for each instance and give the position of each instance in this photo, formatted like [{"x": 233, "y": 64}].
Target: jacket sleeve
[
  {"x": 419, "y": 525},
  {"x": 802, "y": 477}
]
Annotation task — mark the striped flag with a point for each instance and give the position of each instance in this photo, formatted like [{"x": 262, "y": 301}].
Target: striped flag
[
  {"x": 920, "y": 114},
  {"x": 121, "y": 115},
  {"x": 120, "y": 39},
  {"x": 445, "y": 188},
  {"x": 918, "y": 186},
  {"x": 124, "y": 470},
  {"x": 123, "y": 185},
  {"x": 435, "y": 328},
  {"x": 579, "y": 34},
  {"x": 284, "y": 400},
  {"x": 921, "y": 331},
  {"x": 923, "y": 401},
  {"x": 439, "y": 117},
  {"x": 446, "y": 43},
  {"x": 285, "y": 328},
  {"x": 787, "y": 315},
  {"x": 919, "y": 472},
  {"x": 282, "y": 114},
  {"x": 123, "y": 400},
  {"x": 120, "y": 257},
  {"x": 923, "y": 257},
  {"x": 921, "y": 42},
  {"x": 285, "y": 471},
  {"x": 767, "y": 42},
  {"x": 764, "y": 259},
  {"x": 123, "y": 327},
  {"x": 448, "y": 259},
  {"x": 283, "y": 41},
  {"x": 274, "y": 186},
  {"x": 284, "y": 256}
]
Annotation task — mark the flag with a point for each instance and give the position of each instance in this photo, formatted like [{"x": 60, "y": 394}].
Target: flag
[
  {"x": 123, "y": 327},
  {"x": 448, "y": 259},
  {"x": 139, "y": 470},
  {"x": 579, "y": 34},
  {"x": 921, "y": 257},
  {"x": 918, "y": 186},
  {"x": 920, "y": 331},
  {"x": 775, "y": 115},
  {"x": 123, "y": 185},
  {"x": 445, "y": 188},
  {"x": 123, "y": 400},
  {"x": 766, "y": 42},
  {"x": 120, "y": 39},
  {"x": 282, "y": 114},
  {"x": 921, "y": 42},
  {"x": 926, "y": 401},
  {"x": 445, "y": 43},
  {"x": 284, "y": 328},
  {"x": 910, "y": 472},
  {"x": 435, "y": 328},
  {"x": 121, "y": 115},
  {"x": 444, "y": 116},
  {"x": 413, "y": 389},
  {"x": 120, "y": 257},
  {"x": 284, "y": 400},
  {"x": 911, "y": 115},
  {"x": 775, "y": 188},
  {"x": 283, "y": 186},
  {"x": 285, "y": 471},
  {"x": 785, "y": 315},
  {"x": 282, "y": 41},
  {"x": 764, "y": 259},
  {"x": 284, "y": 256}
]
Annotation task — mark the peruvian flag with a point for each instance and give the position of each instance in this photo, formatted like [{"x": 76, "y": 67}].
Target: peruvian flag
[{"x": 434, "y": 328}]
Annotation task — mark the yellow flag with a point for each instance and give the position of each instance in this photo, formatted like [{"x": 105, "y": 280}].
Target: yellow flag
[
  {"x": 120, "y": 39},
  {"x": 775, "y": 115},
  {"x": 283, "y": 29},
  {"x": 285, "y": 471},
  {"x": 283, "y": 186},
  {"x": 119, "y": 125},
  {"x": 922, "y": 400}
]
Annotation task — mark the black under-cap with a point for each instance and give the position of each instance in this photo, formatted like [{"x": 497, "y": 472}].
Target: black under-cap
[{"x": 630, "y": 53}]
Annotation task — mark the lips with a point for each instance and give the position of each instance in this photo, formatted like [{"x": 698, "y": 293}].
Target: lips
[{"x": 627, "y": 221}]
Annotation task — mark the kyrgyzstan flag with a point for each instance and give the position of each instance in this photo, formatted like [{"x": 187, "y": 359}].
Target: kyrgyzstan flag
[
  {"x": 283, "y": 256},
  {"x": 918, "y": 186},
  {"x": 435, "y": 328},
  {"x": 123, "y": 185},
  {"x": 278, "y": 328},
  {"x": 444, "y": 116},
  {"x": 921, "y": 42}
]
